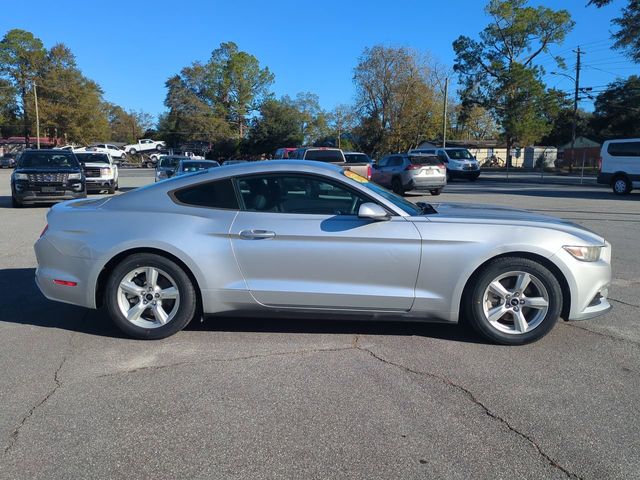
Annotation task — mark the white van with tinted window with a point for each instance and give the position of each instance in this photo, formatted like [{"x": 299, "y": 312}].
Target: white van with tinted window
[
  {"x": 620, "y": 165},
  {"x": 459, "y": 161}
]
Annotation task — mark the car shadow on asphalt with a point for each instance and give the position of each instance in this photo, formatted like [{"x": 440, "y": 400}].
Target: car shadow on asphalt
[{"x": 22, "y": 303}]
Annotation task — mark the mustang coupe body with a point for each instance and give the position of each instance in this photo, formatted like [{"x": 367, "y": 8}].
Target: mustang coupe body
[{"x": 305, "y": 238}]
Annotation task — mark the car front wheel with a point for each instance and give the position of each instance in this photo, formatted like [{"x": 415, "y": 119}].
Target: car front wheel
[
  {"x": 435, "y": 191},
  {"x": 513, "y": 301},
  {"x": 150, "y": 297}
]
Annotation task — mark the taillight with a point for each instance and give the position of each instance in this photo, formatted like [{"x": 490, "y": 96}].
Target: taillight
[
  {"x": 441, "y": 165},
  {"x": 46, "y": 227},
  {"x": 411, "y": 166},
  {"x": 599, "y": 164},
  {"x": 369, "y": 172}
]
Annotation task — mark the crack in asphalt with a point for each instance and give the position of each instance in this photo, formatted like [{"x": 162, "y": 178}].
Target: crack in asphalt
[
  {"x": 623, "y": 303},
  {"x": 601, "y": 334},
  {"x": 224, "y": 360},
  {"x": 13, "y": 437},
  {"x": 475, "y": 400}
]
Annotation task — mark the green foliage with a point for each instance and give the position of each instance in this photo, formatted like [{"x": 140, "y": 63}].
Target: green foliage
[
  {"x": 627, "y": 37},
  {"x": 277, "y": 126},
  {"x": 129, "y": 126},
  {"x": 617, "y": 110},
  {"x": 395, "y": 102},
  {"x": 498, "y": 71}
]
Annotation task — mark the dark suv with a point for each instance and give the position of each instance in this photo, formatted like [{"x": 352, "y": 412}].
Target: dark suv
[{"x": 46, "y": 176}]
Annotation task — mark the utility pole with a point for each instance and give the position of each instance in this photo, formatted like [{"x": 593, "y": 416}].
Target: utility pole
[
  {"x": 444, "y": 113},
  {"x": 35, "y": 94},
  {"x": 575, "y": 109}
]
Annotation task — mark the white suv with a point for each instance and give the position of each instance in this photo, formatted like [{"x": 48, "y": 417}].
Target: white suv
[{"x": 620, "y": 165}]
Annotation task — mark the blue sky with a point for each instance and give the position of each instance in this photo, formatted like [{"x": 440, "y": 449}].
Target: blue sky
[{"x": 131, "y": 47}]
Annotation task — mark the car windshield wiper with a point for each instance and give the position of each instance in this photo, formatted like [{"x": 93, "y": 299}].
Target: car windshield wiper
[{"x": 426, "y": 208}]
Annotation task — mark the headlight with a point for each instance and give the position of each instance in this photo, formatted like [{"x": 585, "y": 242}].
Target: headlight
[
  {"x": 21, "y": 176},
  {"x": 75, "y": 176},
  {"x": 161, "y": 174},
  {"x": 584, "y": 254},
  {"x": 105, "y": 172}
]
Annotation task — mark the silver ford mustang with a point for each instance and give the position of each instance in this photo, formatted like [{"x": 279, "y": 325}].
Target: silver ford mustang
[{"x": 308, "y": 239}]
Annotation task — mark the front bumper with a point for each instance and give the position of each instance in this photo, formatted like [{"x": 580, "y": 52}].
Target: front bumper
[
  {"x": 31, "y": 195},
  {"x": 97, "y": 184},
  {"x": 466, "y": 174}
]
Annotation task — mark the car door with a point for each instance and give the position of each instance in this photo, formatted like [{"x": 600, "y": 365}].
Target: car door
[
  {"x": 377, "y": 173},
  {"x": 299, "y": 243}
]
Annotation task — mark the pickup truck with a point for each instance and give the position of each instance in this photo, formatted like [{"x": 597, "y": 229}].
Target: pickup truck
[
  {"x": 335, "y": 156},
  {"x": 143, "y": 145}
]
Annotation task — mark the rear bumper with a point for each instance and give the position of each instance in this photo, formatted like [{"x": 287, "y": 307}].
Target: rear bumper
[
  {"x": 605, "y": 178},
  {"x": 428, "y": 182}
]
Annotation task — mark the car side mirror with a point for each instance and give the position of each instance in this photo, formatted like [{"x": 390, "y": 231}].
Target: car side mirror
[{"x": 372, "y": 211}]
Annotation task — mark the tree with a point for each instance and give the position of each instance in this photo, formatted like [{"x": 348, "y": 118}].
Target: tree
[
  {"x": 627, "y": 37},
  {"x": 395, "y": 103},
  {"x": 234, "y": 80},
  {"x": 498, "y": 71},
  {"x": 190, "y": 116},
  {"x": 70, "y": 104},
  {"x": 474, "y": 122},
  {"x": 21, "y": 57},
  {"x": 127, "y": 126},
  {"x": 617, "y": 110},
  {"x": 9, "y": 110},
  {"x": 341, "y": 122},
  {"x": 277, "y": 126},
  {"x": 312, "y": 120}
]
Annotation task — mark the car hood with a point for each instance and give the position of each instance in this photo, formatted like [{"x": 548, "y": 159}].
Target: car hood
[{"x": 495, "y": 214}]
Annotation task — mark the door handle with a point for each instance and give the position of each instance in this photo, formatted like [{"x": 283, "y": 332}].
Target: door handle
[{"x": 256, "y": 234}]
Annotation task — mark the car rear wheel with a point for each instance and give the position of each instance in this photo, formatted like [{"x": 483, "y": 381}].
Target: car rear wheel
[
  {"x": 132, "y": 151},
  {"x": 621, "y": 186},
  {"x": 513, "y": 301},
  {"x": 150, "y": 297},
  {"x": 396, "y": 186},
  {"x": 435, "y": 191}
]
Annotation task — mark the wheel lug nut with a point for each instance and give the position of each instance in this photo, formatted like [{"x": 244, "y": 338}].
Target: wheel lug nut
[
  {"x": 144, "y": 301},
  {"x": 521, "y": 302},
  {"x": 515, "y": 309},
  {"x": 157, "y": 295},
  {"x": 154, "y": 303}
]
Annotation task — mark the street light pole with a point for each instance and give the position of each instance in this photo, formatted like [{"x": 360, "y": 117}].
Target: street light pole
[
  {"x": 35, "y": 94},
  {"x": 575, "y": 111},
  {"x": 444, "y": 113}
]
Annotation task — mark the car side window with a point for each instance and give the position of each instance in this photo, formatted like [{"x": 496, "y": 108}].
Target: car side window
[
  {"x": 383, "y": 162},
  {"x": 395, "y": 161},
  {"x": 216, "y": 194},
  {"x": 299, "y": 194},
  {"x": 443, "y": 156}
]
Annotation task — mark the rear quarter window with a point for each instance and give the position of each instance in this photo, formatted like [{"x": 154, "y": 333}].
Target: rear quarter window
[
  {"x": 216, "y": 194},
  {"x": 624, "y": 149}
]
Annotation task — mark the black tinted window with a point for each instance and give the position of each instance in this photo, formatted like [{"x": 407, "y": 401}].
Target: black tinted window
[
  {"x": 324, "y": 155},
  {"x": 48, "y": 160},
  {"x": 92, "y": 157},
  {"x": 624, "y": 149},
  {"x": 298, "y": 194},
  {"x": 356, "y": 158},
  {"x": 218, "y": 194},
  {"x": 424, "y": 160}
]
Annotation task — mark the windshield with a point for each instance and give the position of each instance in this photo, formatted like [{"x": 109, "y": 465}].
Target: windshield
[
  {"x": 411, "y": 208},
  {"x": 357, "y": 158},
  {"x": 459, "y": 154},
  {"x": 424, "y": 160},
  {"x": 92, "y": 158},
  {"x": 324, "y": 155},
  {"x": 197, "y": 166},
  {"x": 169, "y": 162},
  {"x": 48, "y": 160}
]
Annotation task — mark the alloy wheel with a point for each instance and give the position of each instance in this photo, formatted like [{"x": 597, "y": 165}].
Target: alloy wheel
[
  {"x": 515, "y": 302},
  {"x": 148, "y": 297}
]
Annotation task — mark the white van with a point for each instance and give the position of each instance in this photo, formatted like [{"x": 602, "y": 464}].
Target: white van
[
  {"x": 620, "y": 165},
  {"x": 459, "y": 161}
]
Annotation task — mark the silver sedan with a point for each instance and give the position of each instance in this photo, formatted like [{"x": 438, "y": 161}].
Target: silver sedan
[{"x": 308, "y": 239}]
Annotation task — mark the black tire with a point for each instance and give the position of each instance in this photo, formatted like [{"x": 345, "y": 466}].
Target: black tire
[
  {"x": 158, "y": 147},
  {"x": 111, "y": 190},
  {"x": 472, "y": 305},
  {"x": 117, "y": 185},
  {"x": 396, "y": 186},
  {"x": 15, "y": 203},
  {"x": 435, "y": 191},
  {"x": 188, "y": 300},
  {"x": 132, "y": 151},
  {"x": 621, "y": 185},
  {"x": 473, "y": 179},
  {"x": 449, "y": 178}
]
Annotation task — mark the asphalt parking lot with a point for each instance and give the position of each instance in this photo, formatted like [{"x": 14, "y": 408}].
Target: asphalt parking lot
[{"x": 251, "y": 398}]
